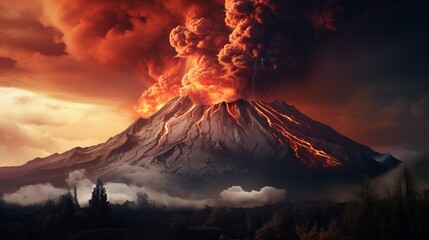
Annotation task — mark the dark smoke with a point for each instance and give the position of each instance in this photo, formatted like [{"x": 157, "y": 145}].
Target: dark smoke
[
  {"x": 224, "y": 50},
  {"x": 212, "y": 51}
]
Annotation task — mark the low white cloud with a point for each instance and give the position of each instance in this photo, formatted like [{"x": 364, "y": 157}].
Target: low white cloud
[
  {"x": 236, "y": 196},
  {"x": 34, "y": 194},
  {"x": 144, "y": 175},
  {"x": 83, "y": 185},
  {"x": 76, "y": 177},
  {"x": 164, "y": 199},
  {"x": 119, "y": 193}
]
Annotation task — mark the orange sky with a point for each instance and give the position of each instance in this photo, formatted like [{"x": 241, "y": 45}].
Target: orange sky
[{"x": 72, "y": 73}]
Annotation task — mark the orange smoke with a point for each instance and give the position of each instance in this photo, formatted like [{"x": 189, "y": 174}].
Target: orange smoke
[
  {"x": 123, "y": 33},
  {"x": 185, "y": 47},
  {"x": 208, "y": 50},
  {"x": 225, "y": 44},
  {"x": 166, "y": 88},
  {"x": 197, "y": 42}
]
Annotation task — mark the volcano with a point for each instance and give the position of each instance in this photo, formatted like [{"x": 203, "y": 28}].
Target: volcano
[{"x": 236, "y": 141}]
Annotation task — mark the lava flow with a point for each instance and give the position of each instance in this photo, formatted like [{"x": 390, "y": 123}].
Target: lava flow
[
  {"x": 198, "y": 121},
  {"x": 230, "y": 139},
  {"x": 303, "y": 149}
]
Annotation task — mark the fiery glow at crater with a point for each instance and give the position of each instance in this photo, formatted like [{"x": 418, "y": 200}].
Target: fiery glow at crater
[
  {"x": 218, "y": 52},
  {"x": 287, "y": 130}
]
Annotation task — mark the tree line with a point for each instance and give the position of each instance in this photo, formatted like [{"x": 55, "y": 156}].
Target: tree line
[{"x": 402, "y": 212}]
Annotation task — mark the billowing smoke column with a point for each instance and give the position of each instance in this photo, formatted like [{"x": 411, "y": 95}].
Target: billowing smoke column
[
  {"x": 200, "y": 74},
  {"x": 210, "y": 50},
  {"x": 219, "y": 52},
  {"x": 268, "y": 31}
]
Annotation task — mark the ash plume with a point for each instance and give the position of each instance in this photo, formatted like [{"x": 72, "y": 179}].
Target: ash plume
[
  {"x": 269, "y": 30},
  {"x": 223, "y": 50},
  {"x": 209, "y": 50},
  {"x": 213, "y": 51}
]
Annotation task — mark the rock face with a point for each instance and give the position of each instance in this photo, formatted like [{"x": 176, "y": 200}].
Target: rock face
[{"x": 241, "y": 138}]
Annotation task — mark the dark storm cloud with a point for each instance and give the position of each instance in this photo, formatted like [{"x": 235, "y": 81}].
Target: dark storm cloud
[
  {"x": 218, "y": 43},
  {"x": 22, "y": 31},
  {"x": 278, "y": 31},
  {"x": 277, "y": 40},
  {"x": 370, "y": 80},
  {"x": 271, "y": 39},
  {"x": 125, "y": 33}
]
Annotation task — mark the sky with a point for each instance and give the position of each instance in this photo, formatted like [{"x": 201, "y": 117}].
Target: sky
[{"x": 74, "y": 73}]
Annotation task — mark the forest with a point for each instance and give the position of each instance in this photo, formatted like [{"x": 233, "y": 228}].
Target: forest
[{"x": 402, "y": 212}]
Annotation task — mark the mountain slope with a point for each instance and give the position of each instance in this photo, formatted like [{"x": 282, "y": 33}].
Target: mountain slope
[{"x": 241, "y": 138}]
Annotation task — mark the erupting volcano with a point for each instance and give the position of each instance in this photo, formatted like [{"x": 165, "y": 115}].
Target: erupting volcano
[{"x": 233, "y": 140}]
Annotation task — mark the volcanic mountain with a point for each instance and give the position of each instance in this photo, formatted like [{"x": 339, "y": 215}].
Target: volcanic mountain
[{"x": 236, "y": 142}]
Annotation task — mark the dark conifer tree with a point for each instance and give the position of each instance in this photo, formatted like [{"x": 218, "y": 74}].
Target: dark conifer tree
[
  {"x": 66, "y": 211},
  {"x": 100, "y": 211}
]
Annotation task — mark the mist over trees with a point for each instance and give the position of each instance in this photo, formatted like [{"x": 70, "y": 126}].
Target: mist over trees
[{"x": 401, "y": 212}]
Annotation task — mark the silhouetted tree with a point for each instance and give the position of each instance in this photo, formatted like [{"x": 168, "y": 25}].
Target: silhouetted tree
[
  {"x": 99, "y": 208},
  {"x": 367, "y": 210},
  {"x": 98, "y": 197},
  {"x": 424, "y": 213},
  {"x": 405, "y": 222},
  {"x": 411, "y": 205},
  {"x": 2, "y": 206},
  {"x": 76, "y": 202},
  {"x": 272, "y": 228},
  {"x": 66, "y": 210}
]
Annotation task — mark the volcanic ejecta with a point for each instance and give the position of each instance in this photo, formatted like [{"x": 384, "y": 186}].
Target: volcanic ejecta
[{"x": 218, "y": 52}]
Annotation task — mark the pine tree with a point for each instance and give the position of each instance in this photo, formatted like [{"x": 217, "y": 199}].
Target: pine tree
[
  {"x": 410, "y": 200},
  {"x": 66, "y": 211},
  {"x": 366, "y": 215},
  {"x": 99, "y": 196},
  {"x": 99, "y": 205}
]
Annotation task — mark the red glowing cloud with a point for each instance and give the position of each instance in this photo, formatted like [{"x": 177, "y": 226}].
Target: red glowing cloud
[
  {"x": 113, "y": 53},
  {"x": 205, "y": 50},
  {"x": 222, "y": 50},
  {"x": 126, "y": 33}
]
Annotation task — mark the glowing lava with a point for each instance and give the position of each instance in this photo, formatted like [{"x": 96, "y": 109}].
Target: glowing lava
[
  {"x": 286, "y": 129},
  {"x": 303, "y": 149},
  {"x": 211, "y": 144}
]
